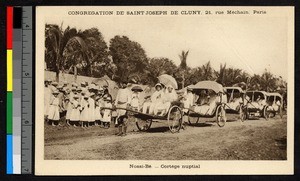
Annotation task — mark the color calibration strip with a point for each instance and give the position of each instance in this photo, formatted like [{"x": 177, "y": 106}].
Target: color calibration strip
[
  {"x": 18, "y": 160},
  {"x": 9, "y": 95}
]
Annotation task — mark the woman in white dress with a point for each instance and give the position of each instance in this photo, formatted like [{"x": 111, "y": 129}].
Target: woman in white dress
[{"x": 53, "y": 112}]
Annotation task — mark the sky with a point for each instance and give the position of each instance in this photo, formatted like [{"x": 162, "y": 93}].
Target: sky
[{"x": 250, "y": 43}]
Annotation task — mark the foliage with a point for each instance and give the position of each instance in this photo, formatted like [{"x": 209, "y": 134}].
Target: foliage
[{"x": 86, "y": 53}]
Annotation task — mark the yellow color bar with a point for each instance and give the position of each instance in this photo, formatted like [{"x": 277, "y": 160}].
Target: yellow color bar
[{"x": 9, "y": 70}]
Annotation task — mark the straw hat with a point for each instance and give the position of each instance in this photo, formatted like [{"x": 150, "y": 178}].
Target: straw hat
[
  {"x": 54, "y": 83},
  {"x": 158, "y": 84},
  {"x": 55, "y": 92},
  {"x": 74, "y": 84}
]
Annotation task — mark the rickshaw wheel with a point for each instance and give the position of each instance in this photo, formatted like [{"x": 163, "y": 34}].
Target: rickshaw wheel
[
  {"x": 220, "y": 115},
  {"x": 175, "y": 119},
  {"x": 266, "y": 113},
  {"x": 281, "y": 112},
  {"x": 143, "y": 125}
]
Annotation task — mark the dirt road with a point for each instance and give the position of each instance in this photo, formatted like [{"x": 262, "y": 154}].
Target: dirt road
[{"x": 249, "y": 140}]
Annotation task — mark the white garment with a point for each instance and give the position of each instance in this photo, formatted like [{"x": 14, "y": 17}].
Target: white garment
[
  {"x": 53, "y": 113},
  {"x": 122, "y": 99},
  {"x": 135, "y": 100},
  {"x": 75, "y": 113},
  {"x": 47, "y": 97},
  {"x": 91, "y": 114},
  {"x": 168, "y": 98},
  {"x": 84, "y": 115},
  {"x": 107, "y": 113},
  {"x": 156, "y": 99}
]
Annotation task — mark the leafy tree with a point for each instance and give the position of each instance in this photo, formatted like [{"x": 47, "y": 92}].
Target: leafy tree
[
  {"x": 128, "y": 56},
  {"x": 158, "y": 66}
]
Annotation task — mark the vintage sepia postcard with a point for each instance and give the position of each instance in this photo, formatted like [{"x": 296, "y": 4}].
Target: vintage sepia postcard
[{"x": 164, "y": 90}]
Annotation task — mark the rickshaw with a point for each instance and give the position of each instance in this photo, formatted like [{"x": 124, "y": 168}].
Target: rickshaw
[
  {"x": 215, "y": 105},
  {"x": 256, "y": 105},
  {"x": 235, "y": 102},
  {"x": 173, "y": 115},
  {"x": 275, "y": 102}
]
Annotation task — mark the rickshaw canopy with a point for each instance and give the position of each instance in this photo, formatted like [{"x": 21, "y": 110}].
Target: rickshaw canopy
[
  {"x": 254, "y": 94},
  {"x": 275, "y": 94},
  {"x": 235, "y": 89},
  {"x": 205, "y": 85}
]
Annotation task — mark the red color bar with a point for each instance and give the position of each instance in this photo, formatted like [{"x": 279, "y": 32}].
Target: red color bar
[{"x": 9, "y": 26}]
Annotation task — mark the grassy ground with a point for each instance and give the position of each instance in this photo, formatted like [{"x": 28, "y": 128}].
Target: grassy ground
[{"x": 249, "y": 140}]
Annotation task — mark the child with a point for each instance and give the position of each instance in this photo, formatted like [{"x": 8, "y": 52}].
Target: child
[
  {"x": 53, "y": 114},
  {"x": 98, "y": 116},
  {"x": 84, "y": 115},
  {"x": 107, "y": 113},
  {"x": 75, "y": 113},
  {"x": 91, "y": 115},
  {"x": 68, "y": 107},
  {"x": 135, "y": 100}
]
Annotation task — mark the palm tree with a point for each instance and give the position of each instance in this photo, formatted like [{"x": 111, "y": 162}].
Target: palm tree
[
  {"x": 56, "y": 42},
  {"x": 183, "y": 66},
  {"x": 221, "y": 74},
  {"x": 207, "y": 71}
]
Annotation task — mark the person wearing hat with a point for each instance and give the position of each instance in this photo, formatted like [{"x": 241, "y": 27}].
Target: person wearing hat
[
  {"x": 47, "y": 97},
  {"x": 53, "y": 112},
  {"x": 91, "y": 100},
  {"x": 53, "y": 86},
  {"x": 188, "y": 99},
  {"x": 135, "y": 99},
  {"x": 84, "y": 108},
  {"x": 61, "y": 99},
  {"x": 156, "y": 99},
  {"x": 107, "y": 113},
  {"x": 68, "y": 107},
  {"x": 65, "y": 84},
  {"x": 122, "y": 101},
  {"x": 202, "y": 104},
  {"x": 98, "y": 116},
  {"x": 169, "y": 96},
  {"x": 75, "y": 113},
  {"x": 74, "y": 85}
]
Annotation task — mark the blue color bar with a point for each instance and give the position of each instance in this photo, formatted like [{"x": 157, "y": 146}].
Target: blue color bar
[{"x": 9, "y": 154}]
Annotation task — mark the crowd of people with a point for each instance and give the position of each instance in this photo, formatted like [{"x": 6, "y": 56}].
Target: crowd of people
[{"x": 87, "y": 104}]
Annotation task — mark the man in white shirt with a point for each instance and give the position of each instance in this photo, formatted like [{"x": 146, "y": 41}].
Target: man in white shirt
[{"x": 122, "y": 101}]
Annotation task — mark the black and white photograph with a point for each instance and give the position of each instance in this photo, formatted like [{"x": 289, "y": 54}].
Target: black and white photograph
[{"x": 164, "y": 90}]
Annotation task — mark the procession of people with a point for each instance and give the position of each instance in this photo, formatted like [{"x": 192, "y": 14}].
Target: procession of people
[{"x": 90, "y": 104}]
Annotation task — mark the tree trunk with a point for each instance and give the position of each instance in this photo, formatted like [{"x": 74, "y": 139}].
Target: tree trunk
[
  {"x": 75, "y": 73},
  {"x": 57, "y": 75}
]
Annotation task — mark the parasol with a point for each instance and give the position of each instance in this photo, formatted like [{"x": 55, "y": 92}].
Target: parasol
[{"x": 168, "y": 80}]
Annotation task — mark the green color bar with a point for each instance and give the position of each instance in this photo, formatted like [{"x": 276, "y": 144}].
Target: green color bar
[{"x": 9, "y": 112}]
